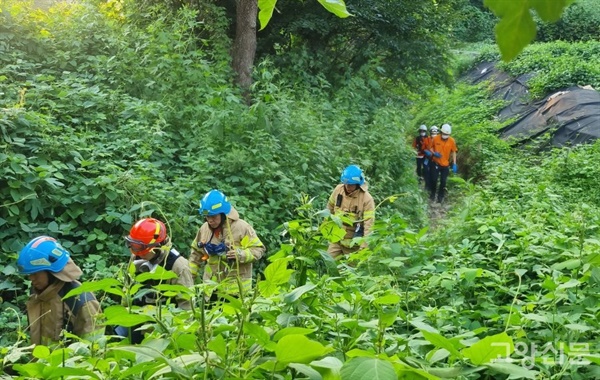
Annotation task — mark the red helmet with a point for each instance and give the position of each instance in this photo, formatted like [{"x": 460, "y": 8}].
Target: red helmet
[{"x": 146, "y": 234}]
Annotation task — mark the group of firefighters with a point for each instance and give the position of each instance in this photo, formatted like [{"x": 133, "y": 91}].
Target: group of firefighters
[{"x": 225, "y": 247}]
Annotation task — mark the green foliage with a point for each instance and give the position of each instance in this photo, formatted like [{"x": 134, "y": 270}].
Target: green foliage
[
  {"x": 404, "y": 41},
  {"x": 579, "y": 22},
  {"x": 517, "y": 28},
  {"x": 473, "y": 24},
  {"x": 557, "y": 65}
]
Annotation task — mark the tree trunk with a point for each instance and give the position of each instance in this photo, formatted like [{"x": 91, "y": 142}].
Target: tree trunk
[{"x": 244, "y": 46}]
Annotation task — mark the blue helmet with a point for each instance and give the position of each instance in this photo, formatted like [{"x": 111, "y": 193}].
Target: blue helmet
[
  {"x": 42, "y": 253},
  {"x": 352, "y": 175},
  {"x": 214, "y": 203}
]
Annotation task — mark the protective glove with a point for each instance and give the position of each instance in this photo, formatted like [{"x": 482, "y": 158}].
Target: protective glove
[
  {"x": 428, "y": 153},
  {"x": 426, "y": 162},
  {"x": 437, "y": 154},
  {"x": 455, "y": 168}
]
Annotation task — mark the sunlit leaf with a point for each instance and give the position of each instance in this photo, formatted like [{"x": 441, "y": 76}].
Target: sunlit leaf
[
  {"x": 490, "y": 348},
  {"x": 364, "y": 368},
  {"x": 299, "y": 349}
]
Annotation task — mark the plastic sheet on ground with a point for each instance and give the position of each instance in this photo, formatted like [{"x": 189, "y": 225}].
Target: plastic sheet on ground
[{"x": 571, "y": 116}]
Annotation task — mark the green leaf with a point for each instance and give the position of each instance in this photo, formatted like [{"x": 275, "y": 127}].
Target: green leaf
[
  {"x": 266, "y": 12},
  {"x": 337, "y": 7},
  {"x": 515, "y": 371},
  {"x": 516, "y": 28},
  {"x": 388, "y": 299},
  {"x": 277, "y": 272},
  {"x": 331, "y": 231},
  {"x": 299, "y": 349},
  {"x": 41, "y": 352},
  {"x": 32, "y": 370},
  {"x": 311, "y": 374},
  {"x": 159, "y": 273},
  {"x": 118, "y": 315},
  {"x": 53, "y": 227},
  {"x": 578, "y": 327},
  {"x": 292, "y": 331},
  {"x": 69, "y": 373},
  {"x": 94, "y": 286},
  {"x": 364, "y": 368},
  {"x": 329, "y": 362},
  {"x": 219, "y": 346},
  {"x": 258, "y": 332},
  {"x": 441, "y": 342},
  {"x": 489, "y": 348},
  {"x": 298, "y": 292},
  {"x": 549, "y": 11}
]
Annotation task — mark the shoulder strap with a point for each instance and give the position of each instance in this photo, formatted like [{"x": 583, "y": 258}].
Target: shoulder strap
[
  {"x": 75, "y": 303},
  {"x": 361, "y": 203},
  {"x": 171, "y": 258}
]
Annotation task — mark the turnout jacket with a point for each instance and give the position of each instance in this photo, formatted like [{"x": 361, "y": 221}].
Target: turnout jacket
[
  {"x": 358, "y": 205},
  {"x": 48, "y": 314},
  {"x": 218, "y": 268}
]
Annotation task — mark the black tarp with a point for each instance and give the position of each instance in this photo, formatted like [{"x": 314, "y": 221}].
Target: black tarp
[{"x": 572, "y": 116}]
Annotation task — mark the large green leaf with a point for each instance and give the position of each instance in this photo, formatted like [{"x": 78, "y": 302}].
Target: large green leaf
[
  {"x": 490, "y": 348},
  {"x": 310, "y": 373},
  {"x": 295, "y": 294},
  {"x": 337, "y": 7},
  {"x": 118, "y": 315},
  {"x": 266, "y": 11},
  {"x": 299, "y": 349},
  {"x": 440, "y": 341},
  {"x": 365, "y": 368},
  {"x": 550, "y": 10},
  {"x": 332, "y": 231},
  {"x": 515, "y": 371},
  {"x": 292, "y": 331},
  {"x": 94, "y": 286},
  {"x": 262, "y": 337},
  {"x": 516, "y": 28}
]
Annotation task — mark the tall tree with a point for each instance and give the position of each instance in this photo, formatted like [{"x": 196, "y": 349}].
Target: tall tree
[{"x": 244, "y": 45}]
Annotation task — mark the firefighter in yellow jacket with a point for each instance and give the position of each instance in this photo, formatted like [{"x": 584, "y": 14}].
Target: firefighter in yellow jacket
[
  {"x": 227, "y": 245},
  {"x": 351, "y": 198},
  {"x": 53, "y": 274}
]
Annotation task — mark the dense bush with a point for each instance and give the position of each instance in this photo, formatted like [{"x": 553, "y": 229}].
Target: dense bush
[
  {"x": 554, "y": 65},
  {"x": 579, "y": 22},
  {"x": 473, "y": 24}
]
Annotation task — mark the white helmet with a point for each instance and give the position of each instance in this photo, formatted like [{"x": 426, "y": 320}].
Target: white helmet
[
  {"x": 434, "y": 129},
  {"x": 446, "y": 129},
  {"x": 423, "y": 127}
]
